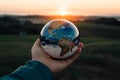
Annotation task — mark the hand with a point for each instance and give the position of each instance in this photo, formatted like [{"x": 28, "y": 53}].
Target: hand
[{"x": 54, "y": 65}]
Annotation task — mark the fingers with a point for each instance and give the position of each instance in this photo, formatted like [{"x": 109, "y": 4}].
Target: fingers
[{"x": 81, "y": 45}]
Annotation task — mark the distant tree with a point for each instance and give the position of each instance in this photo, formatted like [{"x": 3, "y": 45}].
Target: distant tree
[
  {"x": 31, "y": 28},
  {"x": 104, "y": 20},
  {"x": 8, "y": 19},
  {"x": 9, "y": 25},
  {"x": 111, "y": 21}
]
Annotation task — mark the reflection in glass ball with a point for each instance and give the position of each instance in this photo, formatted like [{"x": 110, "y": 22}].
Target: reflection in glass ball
[{"x": 59, "y": 38}]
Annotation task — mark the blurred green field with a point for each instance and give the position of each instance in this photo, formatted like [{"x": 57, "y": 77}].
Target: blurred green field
[
  {"x": 100, "y": 58},
  {"x": 14, "y": 51},
  {"x": 98, "y": 30}
]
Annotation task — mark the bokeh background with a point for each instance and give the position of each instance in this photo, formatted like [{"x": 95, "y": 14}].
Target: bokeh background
[{"x": 100, "y": 33}]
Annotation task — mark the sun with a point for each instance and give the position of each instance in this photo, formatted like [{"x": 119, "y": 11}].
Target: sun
[{"x": 63, "y": 11}]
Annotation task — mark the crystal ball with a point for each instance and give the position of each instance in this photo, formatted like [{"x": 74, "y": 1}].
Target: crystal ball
[{"x": 59, "y": 38}]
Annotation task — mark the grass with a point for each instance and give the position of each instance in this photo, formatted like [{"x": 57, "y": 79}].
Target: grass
[
  {"x": 95, "y": 30},
  {"x": 99, "y": 59},
  {"x": 14, "y": 51}
]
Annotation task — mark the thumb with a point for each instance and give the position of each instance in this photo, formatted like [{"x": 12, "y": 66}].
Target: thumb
[{"x": 37, "y": 43}]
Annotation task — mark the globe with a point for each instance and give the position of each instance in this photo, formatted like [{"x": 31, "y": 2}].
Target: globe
[{"x": 59, "y": 38}]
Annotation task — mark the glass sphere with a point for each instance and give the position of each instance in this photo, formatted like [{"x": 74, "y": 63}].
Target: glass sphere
[{"x": 59, "y": 38}]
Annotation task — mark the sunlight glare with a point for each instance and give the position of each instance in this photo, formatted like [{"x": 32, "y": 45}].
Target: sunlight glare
[{"x": 63, "y": 11}]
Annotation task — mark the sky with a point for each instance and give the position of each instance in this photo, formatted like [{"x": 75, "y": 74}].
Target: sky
[{"x": 60, "y": 7}]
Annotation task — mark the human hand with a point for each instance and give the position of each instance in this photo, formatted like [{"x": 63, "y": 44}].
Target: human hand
[{"x": 54, "y": 65}]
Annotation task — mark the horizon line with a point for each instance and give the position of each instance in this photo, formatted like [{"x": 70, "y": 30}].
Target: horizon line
[{"x": 15, "y": 14}]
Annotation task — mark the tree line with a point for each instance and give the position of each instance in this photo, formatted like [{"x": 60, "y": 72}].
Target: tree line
[{"x": 11, "y": 25}]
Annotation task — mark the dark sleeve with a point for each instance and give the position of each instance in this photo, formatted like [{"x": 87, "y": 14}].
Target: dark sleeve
[{"x": 32, "y": 70}]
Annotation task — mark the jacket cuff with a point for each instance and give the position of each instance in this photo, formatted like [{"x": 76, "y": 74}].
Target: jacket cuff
[{"x": 33, "y": 70}]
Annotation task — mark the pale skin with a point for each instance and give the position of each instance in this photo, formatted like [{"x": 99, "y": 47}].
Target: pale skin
[{"x": 54, "y": 65}]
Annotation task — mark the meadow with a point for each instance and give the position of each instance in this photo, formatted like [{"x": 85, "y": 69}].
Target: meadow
[{"x": 99, "y": 60}]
